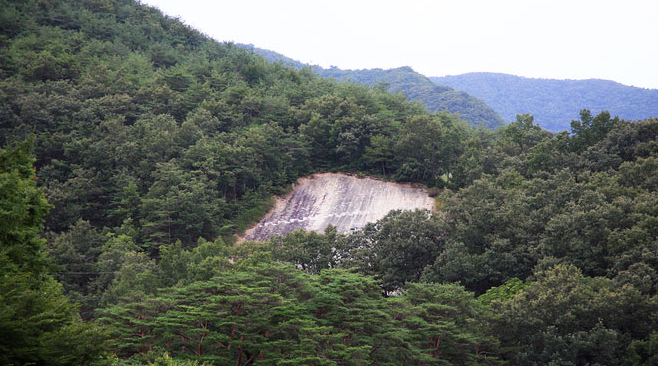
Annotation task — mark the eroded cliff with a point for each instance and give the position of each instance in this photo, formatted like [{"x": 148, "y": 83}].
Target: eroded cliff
[{"x": 341, "y": 200}]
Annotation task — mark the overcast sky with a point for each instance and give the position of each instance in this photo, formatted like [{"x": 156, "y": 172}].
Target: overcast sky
[{"x": 560, "y": 39}]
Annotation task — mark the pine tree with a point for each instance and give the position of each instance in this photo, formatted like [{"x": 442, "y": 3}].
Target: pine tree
[{"x": 38, "y": 324}]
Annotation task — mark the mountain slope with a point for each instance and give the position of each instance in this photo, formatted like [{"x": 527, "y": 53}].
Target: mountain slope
[
  {"x": 143, "y": 121},
  {"x": 413, "y": 85},
  {"x": 554, "y": 103}
]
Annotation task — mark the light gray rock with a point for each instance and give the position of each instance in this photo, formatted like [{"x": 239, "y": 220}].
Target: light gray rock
[{"x": 341, "y": 200}]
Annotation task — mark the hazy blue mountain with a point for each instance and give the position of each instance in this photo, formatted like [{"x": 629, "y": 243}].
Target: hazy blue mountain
[
  {"x": 554, "y": 103},
  {"x": 413, "y": 85}
]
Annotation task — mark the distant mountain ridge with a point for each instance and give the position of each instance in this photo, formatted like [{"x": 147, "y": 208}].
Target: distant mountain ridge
[
  {"x": 554, "y": 103},
  {"x": 413, "y": 85},
  {"x": 433, "y": 96}
]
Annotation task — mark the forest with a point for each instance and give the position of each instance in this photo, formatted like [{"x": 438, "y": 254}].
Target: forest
[{"x": 134, "y": 149}]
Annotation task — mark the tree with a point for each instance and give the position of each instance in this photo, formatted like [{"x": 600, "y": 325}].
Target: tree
[
  {"x": 419, "y": 150},
  {"x": 39, "y": 325},
  {"x": 380, "y": 152},
  {"x": 447, "y": 324},
  {"x": 360, "y": 330},
  {"x": 22, "y": 211},
  {"x": 310, "y": 251},
  {"x": 642, "y": 353},
  {"x": 248, "y": 314},
  {"x": 590, "y": 130},
  {"x": 504, "y": 292},
  {"x": 396, "y": 248},
  {"x": 566, "y": 317},
  {"x": 75, "y": 254},
  {"x": 523, "y": 132},
  {"x": 488, "y": 234}
]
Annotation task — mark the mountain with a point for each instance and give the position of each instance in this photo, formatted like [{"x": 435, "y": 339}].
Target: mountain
[
  {"x": 123, "y": 100},
  {"x": 554, "y": 103},
  {"x": 414, "y": 86}
]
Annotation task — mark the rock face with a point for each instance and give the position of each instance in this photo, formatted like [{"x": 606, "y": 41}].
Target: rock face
[{"x": 337, "y": 199}]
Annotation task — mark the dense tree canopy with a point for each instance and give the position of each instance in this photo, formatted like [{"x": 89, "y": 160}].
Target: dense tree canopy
[{"x": 39, "y": 325}]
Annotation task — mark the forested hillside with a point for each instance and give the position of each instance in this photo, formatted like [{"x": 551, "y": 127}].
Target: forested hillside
[
  {"x": 554, "y": 103},
  {"x": 414, "y": 86},
  {"x": 134, "y": 148}
]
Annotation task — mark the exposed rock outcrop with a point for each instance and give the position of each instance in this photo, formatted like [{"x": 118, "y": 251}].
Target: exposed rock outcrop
[{"x": 341, "y": 200}]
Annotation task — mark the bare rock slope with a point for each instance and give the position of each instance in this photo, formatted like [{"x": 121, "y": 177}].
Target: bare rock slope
[{"x": 337, "y": 199}]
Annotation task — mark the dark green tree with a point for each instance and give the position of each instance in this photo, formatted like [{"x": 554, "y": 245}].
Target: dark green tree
[
  {"x": 39, "y": 325},
  {"x": 576, "y": 320},
  {"x": 447, "y": 324},
  {"x": 310, "y": 251},
  {"x": 590, "y": 130},
  {"x": 396, "y": 248}
]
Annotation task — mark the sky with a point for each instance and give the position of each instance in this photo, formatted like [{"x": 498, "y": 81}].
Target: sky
[{"x": 558, "y": 39}]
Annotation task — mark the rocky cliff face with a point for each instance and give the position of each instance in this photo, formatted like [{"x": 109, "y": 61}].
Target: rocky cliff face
[{"x": 337, "y": 199}]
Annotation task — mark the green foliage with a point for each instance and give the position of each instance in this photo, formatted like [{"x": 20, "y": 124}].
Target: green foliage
[
  {"x": 426, "y": 148},
  {"x": 643, "y": 353},
  {"x": 380, "y": 152},
  {"x": 39, "y": 325},
  {"x": 184, "y": 137},
  {"x": 447, "y": 324},
  {"x": 148, "y": 130},
  {"x": 525, "y": 212},
  {"x": 504, "y": 292},
  {"x": 523, "y": 133},
  {"x": 310, "y": 251},
  {"x": 272, "y": 313},
  {"x": 590, "y": 130},
  {"x": 566, "y": 317},
  {"x": 75, "y": 253},
  {"x": 249, "y": 217},
  {"x": 396, "y": 248},
  {"x": 22, "y": 210}
]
